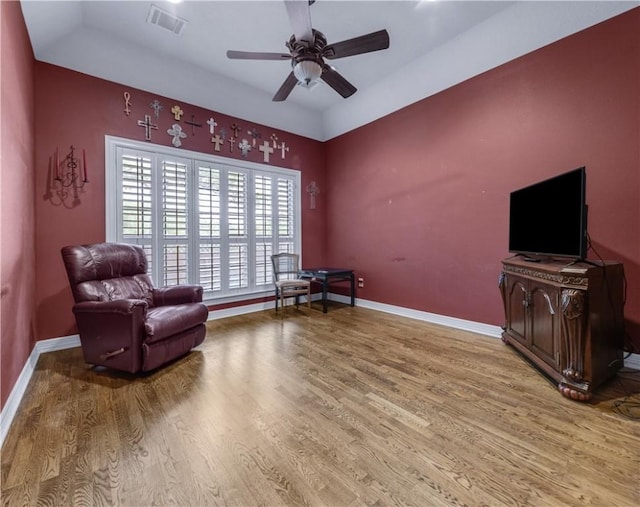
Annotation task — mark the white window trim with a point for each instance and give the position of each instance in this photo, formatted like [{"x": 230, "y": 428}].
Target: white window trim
[{"x": 112, "y": 143}]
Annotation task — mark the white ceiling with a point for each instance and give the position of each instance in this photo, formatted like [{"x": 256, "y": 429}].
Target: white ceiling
[{"x": 433, "y": 45}]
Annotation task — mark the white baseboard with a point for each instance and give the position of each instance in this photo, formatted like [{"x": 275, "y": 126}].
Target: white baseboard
[
  {"x": 15, "y": 397},
  {"x": 434, "y": 318},
  {"x": 66, "y": 342},
  {"x": 238, "y": 310},
  {"x": 256, "y": 307}
]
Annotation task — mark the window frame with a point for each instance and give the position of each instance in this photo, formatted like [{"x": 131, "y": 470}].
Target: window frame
[{"x": 194, "y": 160}]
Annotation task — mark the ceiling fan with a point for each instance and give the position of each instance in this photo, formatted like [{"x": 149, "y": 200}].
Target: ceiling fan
[{"x": 308, "y": 50}]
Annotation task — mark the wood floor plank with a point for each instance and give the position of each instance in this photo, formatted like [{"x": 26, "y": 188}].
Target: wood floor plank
[{"x": 349, "y": 408}]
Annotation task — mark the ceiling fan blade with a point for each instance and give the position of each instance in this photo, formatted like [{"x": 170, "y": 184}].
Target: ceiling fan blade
[
  {"x": 300, "y": 19},
  {"x": 337, "y": 82},
  {"x": 284, "y": 91},
  {"x": 374, "y": 41},
  {"x": 251, "y": 55}
]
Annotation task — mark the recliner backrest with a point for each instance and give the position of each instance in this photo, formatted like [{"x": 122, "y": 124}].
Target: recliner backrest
[{"x": 107, "y": 271}]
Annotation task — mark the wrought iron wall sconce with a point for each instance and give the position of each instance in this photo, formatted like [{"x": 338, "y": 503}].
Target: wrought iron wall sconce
[{"x": 66, "y": 179}]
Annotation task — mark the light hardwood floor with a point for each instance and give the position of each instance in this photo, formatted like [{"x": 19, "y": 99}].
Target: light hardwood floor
[{"x": 352, "y": 407}]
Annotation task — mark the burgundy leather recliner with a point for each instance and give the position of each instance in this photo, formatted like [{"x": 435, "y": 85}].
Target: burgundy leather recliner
[{"x": 124, "y": 322}]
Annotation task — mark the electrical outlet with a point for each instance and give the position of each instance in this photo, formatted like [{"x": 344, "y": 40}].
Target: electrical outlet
[{"x": 360, "y": 283}]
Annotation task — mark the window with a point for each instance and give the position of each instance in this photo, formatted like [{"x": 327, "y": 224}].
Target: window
[{"x": 201, "y": 218}]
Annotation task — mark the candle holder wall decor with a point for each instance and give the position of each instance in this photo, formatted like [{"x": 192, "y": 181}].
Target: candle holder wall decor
[{"x": 67, "y": 179}]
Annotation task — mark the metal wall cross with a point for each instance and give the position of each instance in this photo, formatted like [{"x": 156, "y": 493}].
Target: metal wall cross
[
  {"x": 312, "y": 190},
  {"x": 283, "y": 147},
  {"x": 157, "y": 107},
  {"x": 245, "y": 147},
  {"x": 212, "y": 126},
  {"x": 177, "y": 112},
  {"x": 176, "y": 132},
  {"x": 266, "y": 149},
  {"x": 255, "y": 135},
  {"x": 236, "y": 128},
  {"x": 127, "y": 103},
  {"x": 217, "y": 141},
  {"x": 148, "y": 126},
  {"x": 193, "y": 124}
]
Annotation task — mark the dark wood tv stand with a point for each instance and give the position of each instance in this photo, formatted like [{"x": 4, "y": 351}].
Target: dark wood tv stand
[{"x": 566, "y": 318}]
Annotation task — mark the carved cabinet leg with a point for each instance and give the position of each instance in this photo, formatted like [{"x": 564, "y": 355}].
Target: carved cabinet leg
[
  {"x": 573, "y": 322},
  {"x": 502, "y": 287}
]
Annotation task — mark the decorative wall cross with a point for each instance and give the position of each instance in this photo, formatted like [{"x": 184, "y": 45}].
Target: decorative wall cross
[
  {"x": 223, "y": 133},
  {"x": 193, "y": 124},
  {"x": 266, "y": 149},
  {"x": 312, "y": 190},
  {"x": 127, "y": 103},
  {"x": 148, "y": 126},
  {"x": 283, "y": 148},
  {"x": 176, "y": 132},
  {"x": 245, "y": 147},
  {"x": 254, "y": 134},
  {"x": 274, "y": 138},
  {"x": 157, "y": 107},
  {"x": 235, "y": 129},
  {"x": 232, "y": 141},
  {"x": 217, "y": 141},
  {"x": 177, "y": 112},
  {"x": 212, "y": 126}
]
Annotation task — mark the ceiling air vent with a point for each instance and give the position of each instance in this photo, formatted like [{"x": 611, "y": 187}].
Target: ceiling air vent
[{"x": 166, "y": 20}]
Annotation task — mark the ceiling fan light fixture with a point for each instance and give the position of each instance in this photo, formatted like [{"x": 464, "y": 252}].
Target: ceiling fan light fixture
[
  {"x": 308, "y": 86},
  {"x": 307, "y": 71}
]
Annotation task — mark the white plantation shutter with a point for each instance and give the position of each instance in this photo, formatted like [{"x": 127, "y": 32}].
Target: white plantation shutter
[
  {"x": 264, "y": 218},
  {"x": 174, "y": 212},
  {"x": 286, "y": 216},
  {"x": 238, "y": 276},
  {"x": 210, "y": 272},
  {"x": 264, "y": 269},
  {"x": 136, "y": 196},
  {"x": 209, "y": 228},
  {"x": 175, "y": 264},
  {"x": 237, "y": 214},
  {"x": 174, "y": 199},
  {"x": 136, "y": 217},
  {"x": 202, "y": 219},
  {"x": 237, "y": 204}
]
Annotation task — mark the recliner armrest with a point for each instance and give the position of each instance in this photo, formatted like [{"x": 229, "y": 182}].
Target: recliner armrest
[
  {"x": 124, "y": 306},
  {"x": 112, "y": 332},
  {"x": 177, "y": 295}
]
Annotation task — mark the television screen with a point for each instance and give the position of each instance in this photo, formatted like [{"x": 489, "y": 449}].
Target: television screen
[{"x": 549, "y": 218}]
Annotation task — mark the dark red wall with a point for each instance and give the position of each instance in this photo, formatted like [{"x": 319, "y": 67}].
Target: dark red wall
[
  {"x": 418, "y": 201},
  {"x": 76, "y": 109},
  {"x": 17, "y": 275}
]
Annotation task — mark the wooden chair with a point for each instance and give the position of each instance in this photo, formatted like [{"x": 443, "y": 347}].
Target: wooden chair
[{"x": 286, "y": 272}]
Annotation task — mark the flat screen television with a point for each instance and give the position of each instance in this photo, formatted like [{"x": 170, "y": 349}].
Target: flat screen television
[{"x": 549, "y": 218}]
